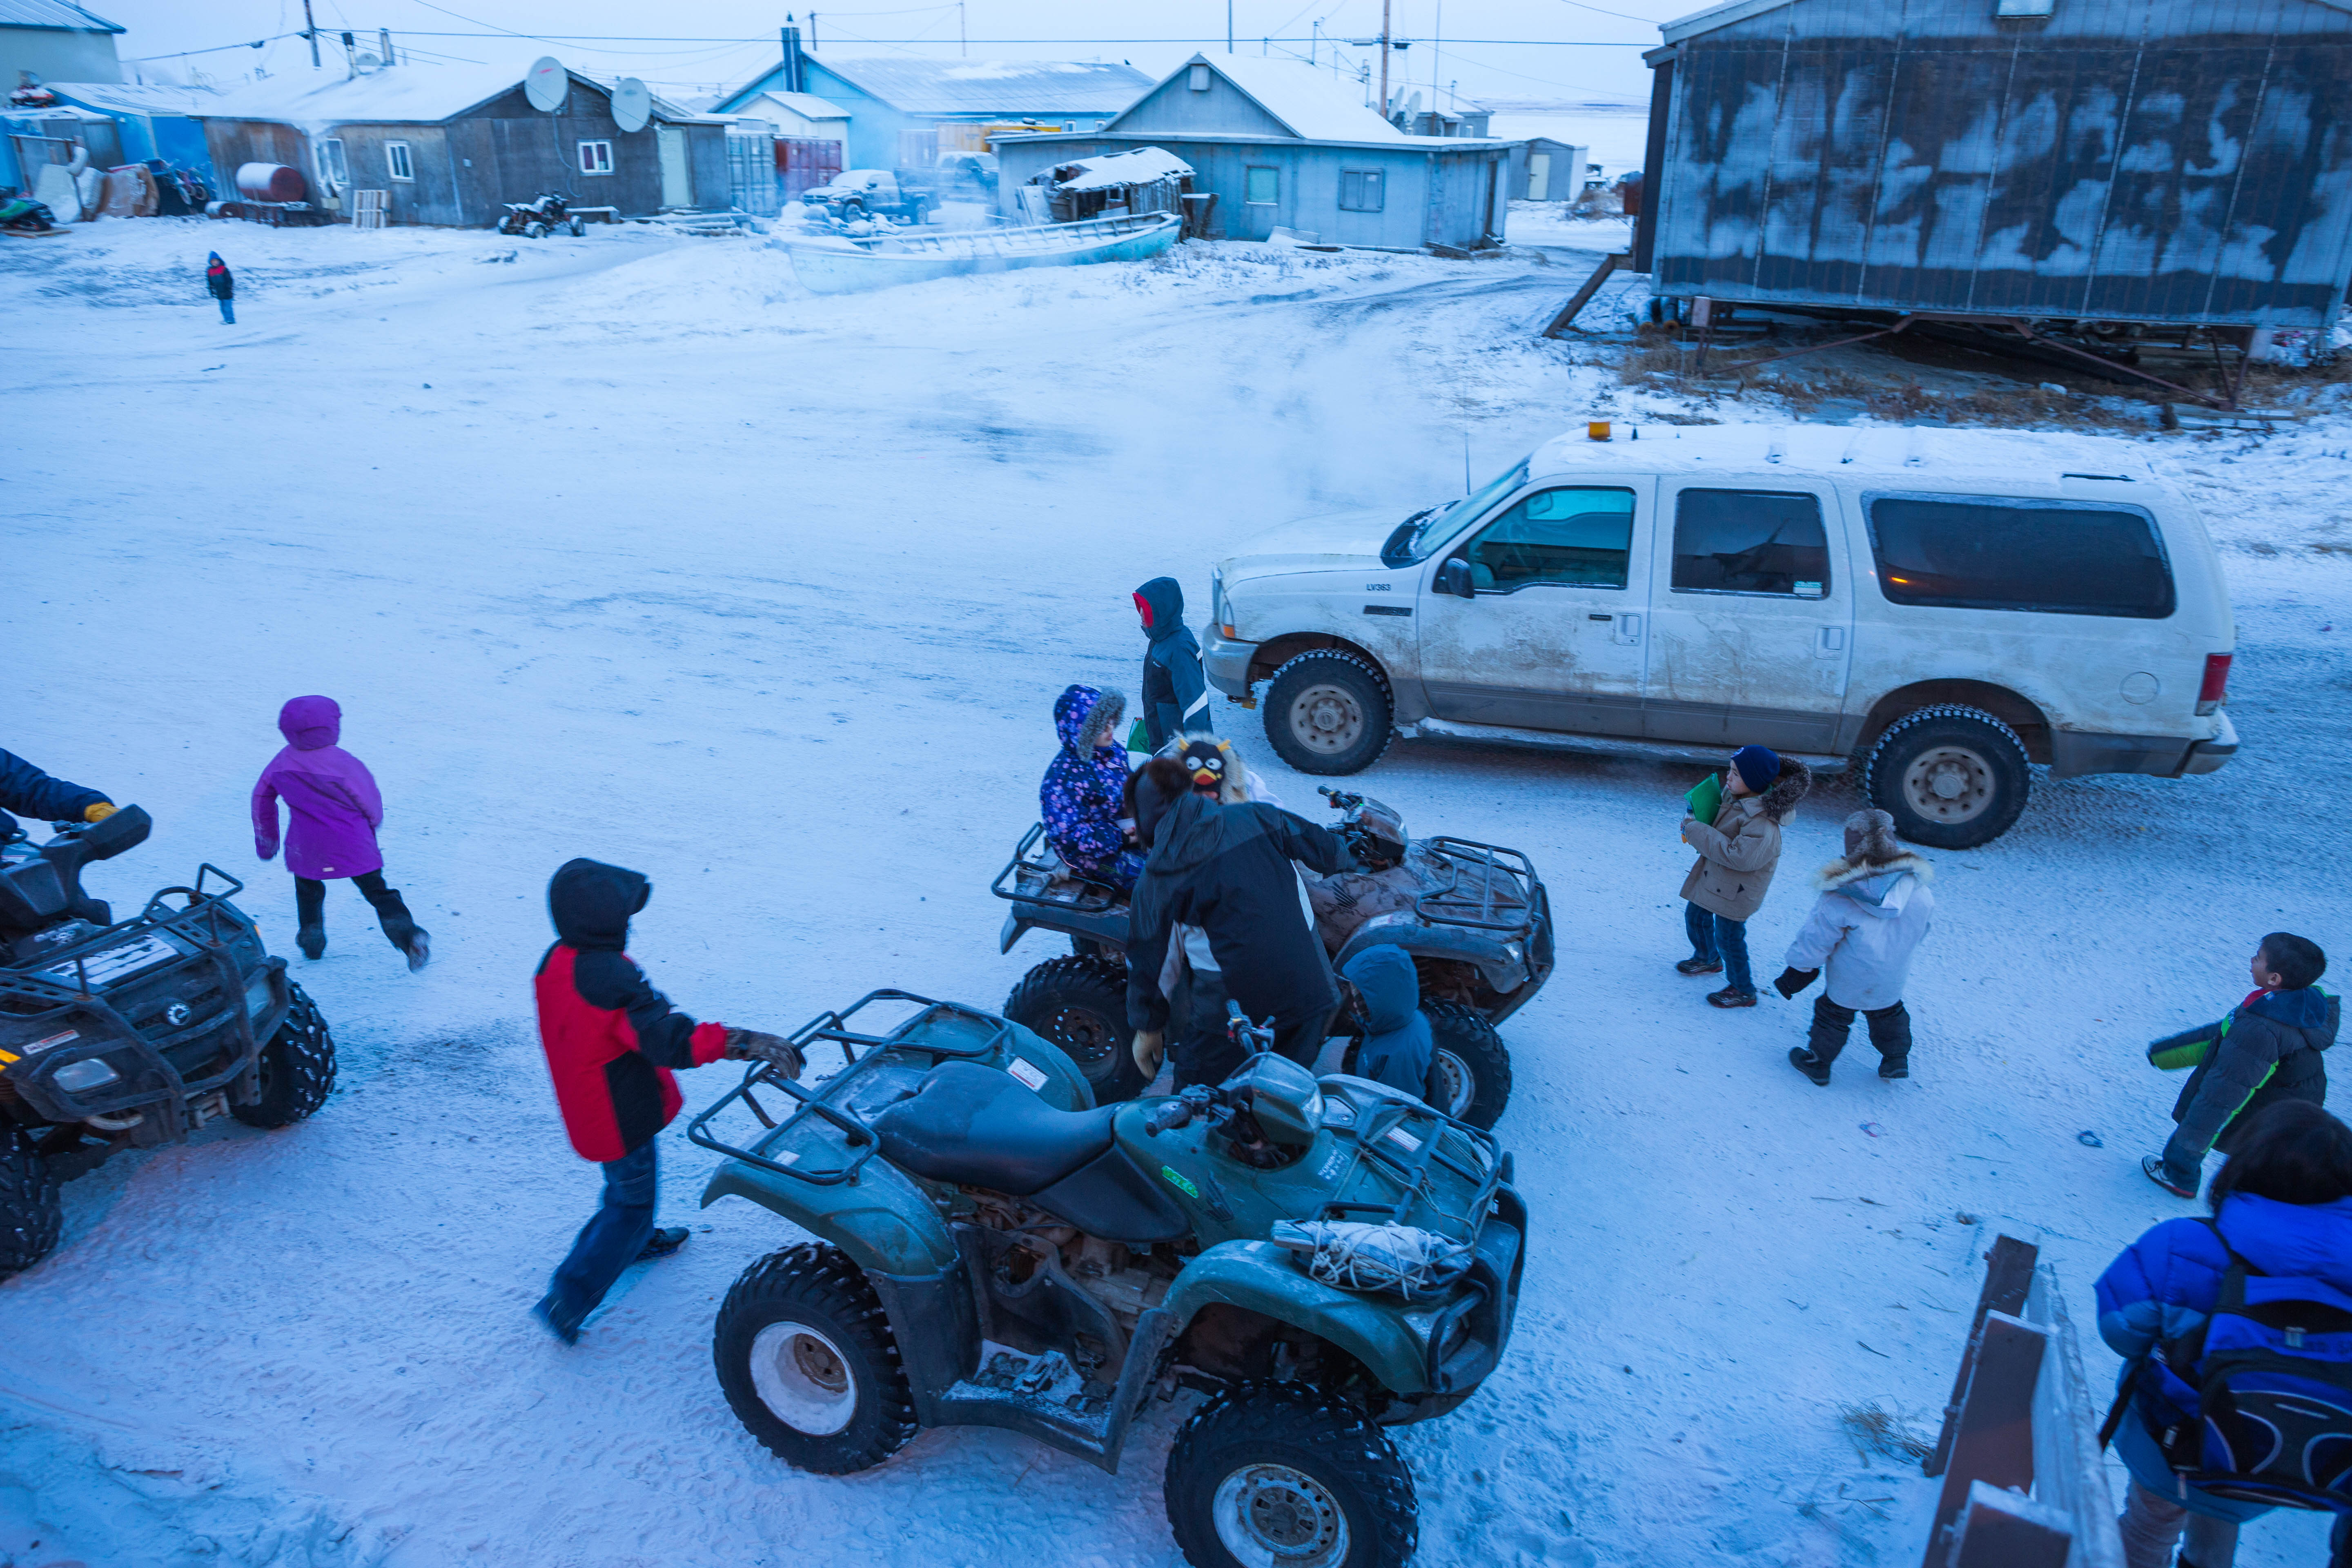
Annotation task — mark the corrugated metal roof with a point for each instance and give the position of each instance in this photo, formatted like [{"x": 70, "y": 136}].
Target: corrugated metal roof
[
  {"x": 807, "y": 105},
  {"x": 1734, "y": 11},
  {"x": 54, "y": 14},
  {"x": 991, "y": 87},
  {"x": 129, "y": 97},
  {"x": 423, "y": 95}
]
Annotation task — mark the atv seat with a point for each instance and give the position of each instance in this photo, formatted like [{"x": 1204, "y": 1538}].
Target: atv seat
[{"x": 978, "y": 1127}]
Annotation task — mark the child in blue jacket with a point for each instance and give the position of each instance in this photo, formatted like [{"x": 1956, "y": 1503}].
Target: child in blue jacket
[{"x": 2266, "y": 1050}]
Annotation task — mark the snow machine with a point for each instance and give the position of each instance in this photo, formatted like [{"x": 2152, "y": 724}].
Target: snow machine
[
  {"x": 1321, "y": 1259},
  {"x": 1475, "y": 917},
  {"x": 130, "y": 1035},
  {"x": 21, "y": 218},
  {"x": 540, "y": 216}
]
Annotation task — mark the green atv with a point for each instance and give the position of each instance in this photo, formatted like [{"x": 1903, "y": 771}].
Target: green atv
[{"x": 1321, "y": 1259}]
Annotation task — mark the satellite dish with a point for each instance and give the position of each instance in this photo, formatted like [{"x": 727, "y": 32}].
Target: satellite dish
[
  {"x": 548, "y": 85},
  {"x": 632, "y": 104},
  {"x": 1412, "y": 106},
  {"x": 366, "y": 64}
]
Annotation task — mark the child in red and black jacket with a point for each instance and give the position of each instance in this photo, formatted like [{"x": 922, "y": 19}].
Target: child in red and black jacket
[{"x": 612, "y": 1042}]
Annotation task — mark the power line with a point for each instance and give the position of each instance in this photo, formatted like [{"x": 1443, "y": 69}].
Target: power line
[
  {"x": 216, "y": 48},
  {"x": 1301, "y": 38}
]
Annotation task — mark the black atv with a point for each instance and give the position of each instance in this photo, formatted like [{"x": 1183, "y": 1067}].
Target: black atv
[
  {"x": 128, "y": 1036},
  {"x": 1478, "y": 927}
]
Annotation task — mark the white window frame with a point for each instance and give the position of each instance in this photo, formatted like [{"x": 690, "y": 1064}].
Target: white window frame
[
  {"x": 1376, "y": 178},
  {"x": 334, "y": 172},
  {"x": 599, "y": 151},
  {"x": 400, "y": 162},
  {"x": 1273, "y": 169}
]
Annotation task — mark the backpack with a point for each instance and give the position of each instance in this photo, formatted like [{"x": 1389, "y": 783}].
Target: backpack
[{"x": 2255, "y": 1404}]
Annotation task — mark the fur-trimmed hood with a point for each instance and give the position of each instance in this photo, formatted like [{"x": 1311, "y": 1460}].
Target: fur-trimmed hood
[
  {"x": 1881, "y": 887},
  {"x": 1791, "y": 788},
  {"x": 1085, "y": 716}
]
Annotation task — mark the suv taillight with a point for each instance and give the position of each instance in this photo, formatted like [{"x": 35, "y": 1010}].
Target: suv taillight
[{"x": 2216, "y": 689}]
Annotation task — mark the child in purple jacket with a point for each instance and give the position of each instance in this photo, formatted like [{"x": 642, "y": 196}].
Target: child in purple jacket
[{"x": 334, "y": 810}]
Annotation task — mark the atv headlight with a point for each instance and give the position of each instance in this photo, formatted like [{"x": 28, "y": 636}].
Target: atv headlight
[
  {"x": 91, "y": 1072},
  {"x": 257, "y": 994}
]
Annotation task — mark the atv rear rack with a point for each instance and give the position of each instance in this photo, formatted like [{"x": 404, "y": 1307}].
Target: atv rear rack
[
  {"x": 1095, "y": 897},
  {"x": 1454, "y": 905},
  {"x": 835, "y": 1026}
]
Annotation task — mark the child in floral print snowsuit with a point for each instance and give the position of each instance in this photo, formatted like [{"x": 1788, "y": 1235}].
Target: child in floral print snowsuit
[{"x": 1080, "y": 796}]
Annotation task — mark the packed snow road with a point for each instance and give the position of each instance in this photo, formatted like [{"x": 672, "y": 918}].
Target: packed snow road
[{"x": 628, "y": 548}]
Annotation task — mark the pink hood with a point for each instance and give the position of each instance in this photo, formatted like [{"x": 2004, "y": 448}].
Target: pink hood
[{"x": 310, "y": 723}]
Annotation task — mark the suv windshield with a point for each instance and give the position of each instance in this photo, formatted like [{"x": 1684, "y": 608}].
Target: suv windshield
[{"x": 1432, "y": 529}]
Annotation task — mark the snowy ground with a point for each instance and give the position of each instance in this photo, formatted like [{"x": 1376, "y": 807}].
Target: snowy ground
[{"x": 628, "y": 547}]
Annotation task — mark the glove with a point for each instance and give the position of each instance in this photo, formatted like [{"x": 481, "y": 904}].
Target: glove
[
  {"x": 101, "y": 812},
  {"x": 1792, "y": 981},
  {"x": 750, "y": 1045},
  {"x": 1149, "y": 1047}
]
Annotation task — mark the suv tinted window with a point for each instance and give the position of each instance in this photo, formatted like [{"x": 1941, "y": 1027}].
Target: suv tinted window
[
  {"x": 1989, "y": 554},
  {"x": 1576, "y": 535},
  {"x": 1750, "y": 542}
]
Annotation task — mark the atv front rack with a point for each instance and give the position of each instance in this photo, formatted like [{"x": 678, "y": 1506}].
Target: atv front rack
[
  {"x": 1031, "y": 873},
  {"x": 860, "y": 1054}
]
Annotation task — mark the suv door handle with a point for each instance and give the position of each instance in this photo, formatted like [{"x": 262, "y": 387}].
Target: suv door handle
[{"x": 1832, "y": 640}]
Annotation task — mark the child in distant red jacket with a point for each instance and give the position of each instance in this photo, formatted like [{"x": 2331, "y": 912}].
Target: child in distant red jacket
[{"x": 612, "y": 1041}]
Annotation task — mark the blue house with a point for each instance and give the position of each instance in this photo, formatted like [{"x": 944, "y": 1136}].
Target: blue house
[{"x": 904, "y": 111}]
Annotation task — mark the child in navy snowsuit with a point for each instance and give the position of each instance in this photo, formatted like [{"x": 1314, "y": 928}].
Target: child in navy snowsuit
[
  {"x": 2266, "y": 1050},
  {"x": 221, "y": 287},
  {"x": 1081, "y": 798}
]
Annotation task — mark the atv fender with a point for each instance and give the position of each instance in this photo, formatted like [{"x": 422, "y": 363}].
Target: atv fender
[
  {"x": 1479, "y": 948},
  {"x": 882, "y": 1219},
  {"x": 1106, "y": 927},
  {"x": 1260, "y": 1277}
]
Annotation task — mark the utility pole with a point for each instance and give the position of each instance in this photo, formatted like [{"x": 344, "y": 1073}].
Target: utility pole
[
  {"x": 311, "y": 31},
  {"x": 962, "y": 46},
  {"x": 1384, "y": 58},
  {"x": 1229, "y": 26}
]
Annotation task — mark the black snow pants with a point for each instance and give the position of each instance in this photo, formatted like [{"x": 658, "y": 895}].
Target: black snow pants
[
  {"x": 1890, "y": 1031},
  {"x": 1205, "y": 1052},
  {"x": 399, "y": 926}
]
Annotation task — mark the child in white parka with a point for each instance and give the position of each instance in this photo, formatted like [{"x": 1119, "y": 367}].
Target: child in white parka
[{"x": 1873, "y": 910}]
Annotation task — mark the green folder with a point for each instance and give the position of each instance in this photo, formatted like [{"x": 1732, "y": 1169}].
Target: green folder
[
  {"x": 1706, "y": 798},
  {"x": 1139, "y": 739}
]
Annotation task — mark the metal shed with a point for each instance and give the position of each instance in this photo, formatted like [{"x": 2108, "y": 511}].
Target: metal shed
[
  {"x": 2110, "y": 161},
  {"x": 1281, "y": 145}
]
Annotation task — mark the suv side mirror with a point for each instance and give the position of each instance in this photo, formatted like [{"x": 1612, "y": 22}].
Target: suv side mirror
[{"x": 1453, "y": 577}]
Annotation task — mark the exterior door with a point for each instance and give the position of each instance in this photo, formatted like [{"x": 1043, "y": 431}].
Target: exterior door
[
  {"x": 677, "y": 173},
  {"x": 1538, "y": 176},
  {"x": 1752, "y": 624},
  {"x": 1553, "y": 635}
]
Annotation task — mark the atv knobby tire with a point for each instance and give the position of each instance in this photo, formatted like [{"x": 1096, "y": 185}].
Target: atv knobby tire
[
  {"x": 1329, "y": 713},
  {"x": 31, "y": 1214},
  {"x": 1079, "y": 1005},
  {"x": 1280, "y": 1472},
  {"x": 1952, "y": 776},
  {"x": 1463, "y": 1032},
  {"x": 297, "y": 1066},
  {"x": 807, "y": 1361}
]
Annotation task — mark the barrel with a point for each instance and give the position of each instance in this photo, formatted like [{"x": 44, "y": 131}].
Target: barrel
[{"x": 270, "y": 183}]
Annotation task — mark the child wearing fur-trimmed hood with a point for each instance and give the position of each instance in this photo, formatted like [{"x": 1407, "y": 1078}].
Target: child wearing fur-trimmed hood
[{"x": 1873, "y": 910}]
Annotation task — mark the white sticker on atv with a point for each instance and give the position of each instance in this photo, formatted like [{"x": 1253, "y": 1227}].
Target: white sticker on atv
[
  {"x": 37, "y": 1047},
  {"x": 1332, "y": 1166},
  {"x": 1027, "y": 1072},
  {"x": 1404, "y": 1139},
  {"x": 115, "y": 963}
]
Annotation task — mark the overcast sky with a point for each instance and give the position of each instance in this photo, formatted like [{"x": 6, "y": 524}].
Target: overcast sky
[{"x": 1541, "y": 52}]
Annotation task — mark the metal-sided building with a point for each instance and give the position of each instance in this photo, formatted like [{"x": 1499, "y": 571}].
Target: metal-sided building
[
  {"x": 2106, "y": 162},
  {"x": 1549, "y": 171},
  {"x": 1281, "y": 145},
  {"x": 451, "y": 145},
  {"x": 55, "y": 40},
  {"x": 904, "y": 111}
]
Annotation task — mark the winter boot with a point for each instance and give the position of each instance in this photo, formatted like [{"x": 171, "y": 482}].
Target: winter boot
[
  {"x": 564, "y": 1329},
  {"x": 664, "y": 1241},
  {"x": 1890, "y": 1031},
  {"x": 1728, "y": 998},
  {"x": 1811, "y": 1065},
  {"x": 312, "y": 941},
  {"x": 419, "y": 948},
  {"x": 1699, "y": 966},
  {"x": 1894, "y": 1066}
]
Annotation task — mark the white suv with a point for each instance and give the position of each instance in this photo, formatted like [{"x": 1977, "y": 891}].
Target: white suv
[{"x": 1939, "y": 609}]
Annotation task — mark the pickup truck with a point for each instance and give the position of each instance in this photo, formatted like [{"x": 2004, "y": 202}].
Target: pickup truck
[{"x": 859, "y": 192}]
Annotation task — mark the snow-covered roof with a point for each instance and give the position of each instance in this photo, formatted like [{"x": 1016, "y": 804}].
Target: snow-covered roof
[
  {"x": 992, "y": 86},
  {"x": 129, "y": 97},
  {"x": 73, "y": 112},
  {"x": 1140, "y": 168},
  {"x": 54, "y": 14},
  {"x": 1310, "y": 103},
  {"x": 397, "y": 94},
  {"x": 1912, "y": 454},
  {"x": 807, "y": 105}
]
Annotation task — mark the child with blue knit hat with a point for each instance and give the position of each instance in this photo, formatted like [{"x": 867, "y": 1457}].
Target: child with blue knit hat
[{"x": 1737, "y": 853}]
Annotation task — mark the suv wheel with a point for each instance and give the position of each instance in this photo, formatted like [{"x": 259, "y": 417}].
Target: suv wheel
[
  {"x": 1080, "y": 1006},
  {"x": 1473, "y": 1068},
  {"x": 1327, "y": 712},
  {"x": 297, "y": 1066},
  {"x": 806, "y": 1358},
  {"x": 31, "y": 1214},
  {"x": 1279, "y": 1473},
  {"x": 1952, "y": 777}
]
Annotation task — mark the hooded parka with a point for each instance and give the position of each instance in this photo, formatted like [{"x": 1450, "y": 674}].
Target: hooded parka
[
  {"x": 1081, "y": 796},
  {"x": 2267, "y": 1049},
  {"x": 26, "y": 788},
  {"x": 1175, "y": 691},
  {"x": 1397, "y": 1045},
  {"x": 1869, "y": 920},
  {"x": 611, "y": 1039},
  {"x": 1738, "y": 852},
  {"x": 330, "y": 798},
  {"x": 1226, "y": 871}
]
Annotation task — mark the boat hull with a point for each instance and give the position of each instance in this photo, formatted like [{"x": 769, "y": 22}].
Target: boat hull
[{"x": 828, "y": 270}]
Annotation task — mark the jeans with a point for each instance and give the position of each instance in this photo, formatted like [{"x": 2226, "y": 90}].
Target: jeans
[
  {"x": 228, "y": 312},
  {"x": 1716, "y": 939},
  {"x": 1890, "y": 1031},
  {"x": 610, "y": 1241},
  {"x": 2184, "y": 1161},
  {"x": 399, "y": 926}
]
